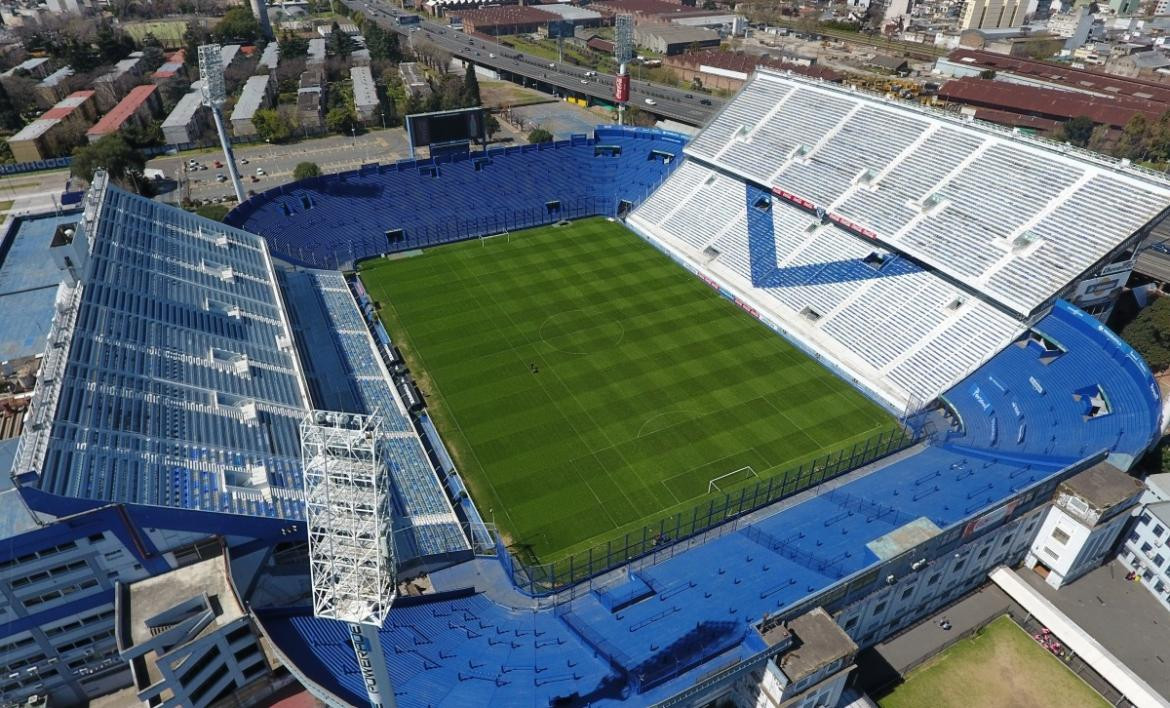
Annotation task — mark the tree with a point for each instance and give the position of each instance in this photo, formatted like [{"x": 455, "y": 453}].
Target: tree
[
  {"x": 292, "y": 46},
  {"x": 147, "y": 135},
  {"x": 123, "y": 163},
  {"x": 1149, "y": 334},
  {"x": 305, "y": 170},
  {"x": 271, "y": 126},
  {"x": 988, "y": 74},
  {"x": 1132, "y": 144},
  {"x": 340, "y": 43},
  {"x": 540, "y": 135},
  {"x": 340, "y": 119},
  {"x": 491, "y": 125},
  {"x": 382, "y": 44},
  {"x": 238, "y": 24},
  {"x": 1158, "y": 145},
  {"x": 112, "y": 44},
  {"x": 471, "y": 87},
  {"x": 1077, "y": 131},
  {"x": 9, "y": 117},
  {"x": 195, "y": 35}
]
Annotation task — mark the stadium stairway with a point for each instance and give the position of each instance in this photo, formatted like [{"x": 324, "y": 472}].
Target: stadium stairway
[{"x": 335, "y": 220}]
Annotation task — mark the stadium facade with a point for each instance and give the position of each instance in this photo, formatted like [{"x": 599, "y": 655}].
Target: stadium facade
[{"x": 182, "y": 358}]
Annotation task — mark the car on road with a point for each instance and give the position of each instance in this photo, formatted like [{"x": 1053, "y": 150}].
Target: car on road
[
  {"x": 220, "y": 178},
  {"x": 255, "y": 178},
  {"x": 192, "y": 164},
  {"x": 584, "y": 81},
  {"x": 690, "y": 95},
  {"x": 591, "y": 73},
  {"x": 552, "y": 65},
  {"x": 260, "y": 171},
  {"x": 705, "y": 101},
  {"x": 243, "y": 160},
  {"x": 651, "y": 102},
  {"x": 217, "y": 164}
]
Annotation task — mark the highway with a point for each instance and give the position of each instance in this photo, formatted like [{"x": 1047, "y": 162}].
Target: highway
[{"x": 665, "y": 101}]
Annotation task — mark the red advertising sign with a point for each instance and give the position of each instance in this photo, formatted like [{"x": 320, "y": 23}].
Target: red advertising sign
[{"x": 621, "y": 88}]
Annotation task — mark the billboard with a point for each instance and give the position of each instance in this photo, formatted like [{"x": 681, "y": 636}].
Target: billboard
[
  {"x": 463, "y": 125},
  {"x": 621, "y": 88}
]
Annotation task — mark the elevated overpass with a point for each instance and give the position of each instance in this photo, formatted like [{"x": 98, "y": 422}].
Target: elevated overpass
[{"x": 683, "y": 106}]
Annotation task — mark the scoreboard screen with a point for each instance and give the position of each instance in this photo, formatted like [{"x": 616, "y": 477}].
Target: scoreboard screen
[{"x": 463, "y": 125}]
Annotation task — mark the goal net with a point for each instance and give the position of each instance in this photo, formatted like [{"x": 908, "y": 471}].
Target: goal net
[{"x": 730, "y": 479}]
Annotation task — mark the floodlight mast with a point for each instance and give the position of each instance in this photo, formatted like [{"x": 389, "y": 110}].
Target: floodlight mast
[
  {"x": 214, "y": 95},
  {"x": 623, "y": 51},
  {"x": 351, "y": 555}
]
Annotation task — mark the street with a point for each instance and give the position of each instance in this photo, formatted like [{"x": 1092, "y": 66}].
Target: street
[
  {"x": 335, "y": 153},
  {"x": 665, "y": 101}
]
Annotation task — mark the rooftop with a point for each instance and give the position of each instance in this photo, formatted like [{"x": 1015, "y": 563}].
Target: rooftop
[
  {"x": 1054, "y": 104},
  {"x": 185, "y": 108},
  {"x": 1103, "y": 485},
  {"x": 571, "y": 12},
  {"x": 819, "y": 641},
  {"x": 251, "y": 98},
  {"x": 271, "y": 56},
  {"x": 34, "y": 130},
  {"x": 507, "y": 15},
  {"x": 119, "y": 114},
  {"x": 364, "y": 91},
  {"x": 28, "y": 284},
  {"x": 126, "y": 65},
  {"x": 57, "y": 76},
  {"x": 1080, "y": 80},
  {"x": 677, "y": 34},
  {"x": 153, "y": 596},
  {"x": 26, "y": 65},
  {"x": 67, "y": 105}
]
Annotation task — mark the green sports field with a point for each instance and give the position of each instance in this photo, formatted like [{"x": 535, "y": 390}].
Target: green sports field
[{"x": 585, "y": 383}]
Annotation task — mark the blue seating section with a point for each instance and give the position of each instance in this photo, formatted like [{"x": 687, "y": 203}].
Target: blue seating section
[
  {"x": 334, "y": 220},
  {"x": 664, "y": 626},
  {"x": 1031, "y": 401},
  {"x": 425, "y": 523}
]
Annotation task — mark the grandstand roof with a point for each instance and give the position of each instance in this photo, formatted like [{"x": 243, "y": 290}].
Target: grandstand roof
[
  {"x": 119, "y": 114},
  {"x": 173, "y": 380},
  {"x": 28, "y": 284},
  {"x": 1012, "y": 218}
]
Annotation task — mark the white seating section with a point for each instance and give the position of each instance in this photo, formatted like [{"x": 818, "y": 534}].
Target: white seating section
[
  {"x": 1013, "y": 218},
  {"x": 893, "y": 329}
]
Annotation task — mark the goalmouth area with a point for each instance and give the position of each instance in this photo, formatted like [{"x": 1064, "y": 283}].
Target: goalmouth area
[{"x": 587, "y": 386}]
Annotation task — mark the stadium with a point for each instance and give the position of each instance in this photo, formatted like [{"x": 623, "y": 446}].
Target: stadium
[{"x": 660, "y": 421}]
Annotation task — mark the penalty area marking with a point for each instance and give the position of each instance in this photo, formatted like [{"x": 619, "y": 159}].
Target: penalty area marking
[{"x": 712, "y": 483}]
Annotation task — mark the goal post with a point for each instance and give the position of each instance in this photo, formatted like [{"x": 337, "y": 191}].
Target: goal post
[
  {"x": 743, "y": 473},
  {"x": 505, "y": 234}
]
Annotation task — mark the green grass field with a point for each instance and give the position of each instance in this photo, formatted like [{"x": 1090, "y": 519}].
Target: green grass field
[
  {"x": 999, "y": 667},
  {"x": 584, "y": 382}
]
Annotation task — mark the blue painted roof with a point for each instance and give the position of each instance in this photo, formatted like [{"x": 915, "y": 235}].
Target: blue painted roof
[
  {"x": 650, "y": 638},
  {"x": 28, "y": 284}
]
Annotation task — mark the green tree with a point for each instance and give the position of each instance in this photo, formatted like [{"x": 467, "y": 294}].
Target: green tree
[
  {"x": 271, "y": 126},
  {"x": 292, "y": 46},
  {"x": 148, "y": 135},
  {"x": 471, "y": 87},
  {"x": 1077, "y": 131},
  {"x": 1158, "y": 145},
  {"x": 340, "y": 119},
  {"x": 113, "y": 154},
  {"x": 340, "y": 44},
  {"x": 1149, "y": 334},
  {"x": 305, "y": 170},
  {"x": 987, "y": 74},
  {"x": 112, "y": 44},
  {"x": 540, "y": 135},
  {"x": 382, "y": 44},
  {"x": 491, "y": 125},
  {"x": 9, "y": 117},
  {"x": 1134, "y": 135},
  {"x": 195, "y": 35},
  {"x": 237, "y": 24}
]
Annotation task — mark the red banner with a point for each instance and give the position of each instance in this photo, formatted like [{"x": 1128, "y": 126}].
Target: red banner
[{"x": 621, "y": 88}]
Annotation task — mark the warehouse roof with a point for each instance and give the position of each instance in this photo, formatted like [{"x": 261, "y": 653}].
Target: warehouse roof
[
  {"x": 507, "y": 15},
  {"x": 571, "y": 12},
  {"x": 119, "y": 114},
  {"x": 1081, "y": 80},
  {"x": 1053, "y": 104},
  {"x": 676, "y": 34},
  {"x": 364, "y": 91}
]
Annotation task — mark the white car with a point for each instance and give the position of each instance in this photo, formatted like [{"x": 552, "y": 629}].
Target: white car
[
  {"x": 260, "y": 171},
  {"x": 584, "y": 81},
  {"x": 220, "y": 178},
  {"x": 651, "y": 102}
]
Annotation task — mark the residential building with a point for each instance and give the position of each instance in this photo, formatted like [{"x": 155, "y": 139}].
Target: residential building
[
  {"x": 116, "y": 83},
  {"x": 257, "y": 94},
  {"x": 1081, "y": 527},
  {"x": 365, "y": 93},
  {"x": 1147, "y": 65},
  {"x": 54, "y": 87},
  {"x": 56, "y": 131},
  {"x": 139, "y": 106},
  {"x": 310, "y": 98},
  {"x": 993, "y": 14},
  {"x": 1147, "y": 546},
  {"x": 188, "y": 119}
]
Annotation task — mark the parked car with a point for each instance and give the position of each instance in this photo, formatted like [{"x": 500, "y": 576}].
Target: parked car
[
  {"x": 260, "y": 171},
  {"x": 651, "y": 102},
  {"x": 220, "y": 178}
]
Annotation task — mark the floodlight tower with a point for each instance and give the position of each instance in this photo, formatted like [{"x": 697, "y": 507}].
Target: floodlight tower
[
  {"x": 351, "y": 554},
  {"x": 214, "y": 94},
  {"x": 623, "y": 51}
]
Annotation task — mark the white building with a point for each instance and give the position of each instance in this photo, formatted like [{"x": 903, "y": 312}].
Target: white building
[
  {"x": 188, "y": 119},
  {"x": 993, "y": 14},
  {"x": 256, "y": 95},
  {"x": 365, "y": 93},
  {"x": 1083, "y": 523},
  {"x": 1147, "y": 546}
]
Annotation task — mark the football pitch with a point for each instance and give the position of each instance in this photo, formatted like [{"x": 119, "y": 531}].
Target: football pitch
[{"x": 586, "y": 384}]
